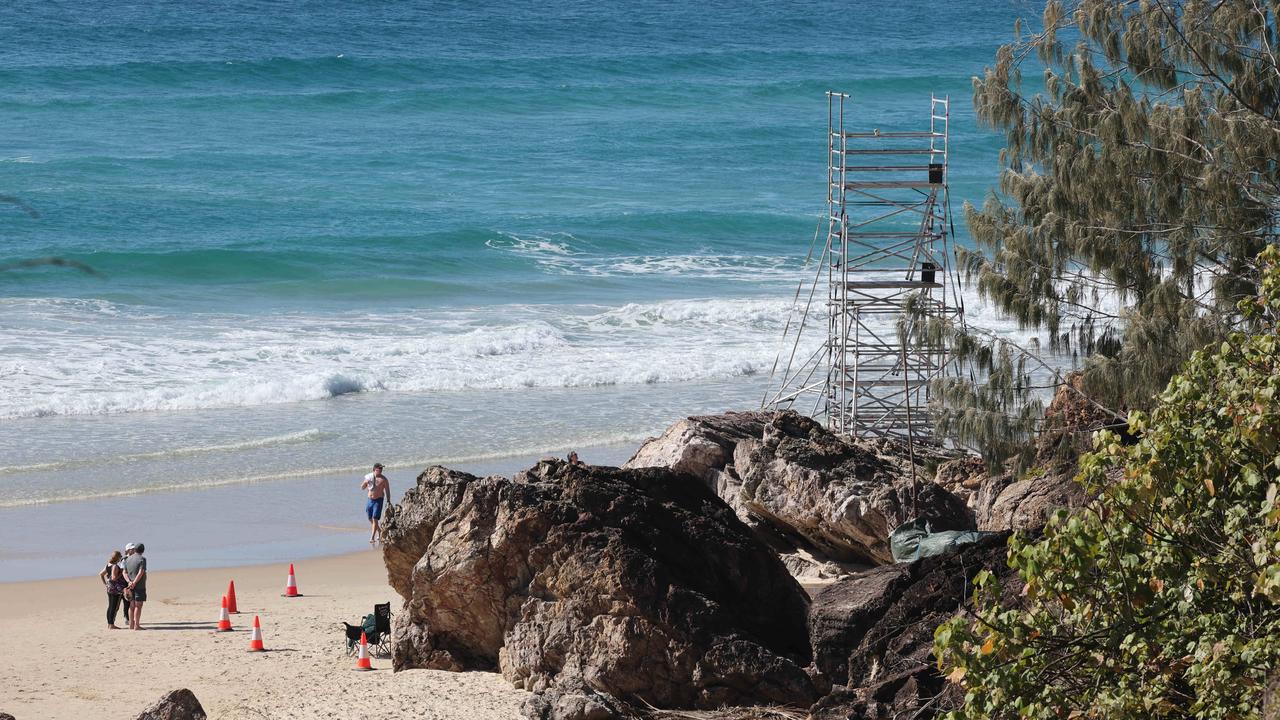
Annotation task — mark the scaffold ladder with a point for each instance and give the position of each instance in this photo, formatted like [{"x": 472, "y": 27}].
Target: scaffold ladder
[{"x": 888, "y": 270}]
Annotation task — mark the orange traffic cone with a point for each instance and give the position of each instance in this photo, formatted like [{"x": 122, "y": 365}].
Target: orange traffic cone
[
  {"x": 362, "y": 662},
  {"x": 255, "y": 640},
  {"x": 224, "y": 620},
  {"x": 291, "y": 586},
  {"x": 231, "y": 598}
]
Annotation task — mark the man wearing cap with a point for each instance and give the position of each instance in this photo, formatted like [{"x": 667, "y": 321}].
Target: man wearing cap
[
  {"x": 135, "y": 571},
  {"x": 379, "y": 487}
]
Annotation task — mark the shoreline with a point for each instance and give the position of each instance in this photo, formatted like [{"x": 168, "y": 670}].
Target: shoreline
[{"x": 232, "y": 526}]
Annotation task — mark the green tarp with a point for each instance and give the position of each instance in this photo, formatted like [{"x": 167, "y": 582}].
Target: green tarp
[{"x": 913, "y": 540}]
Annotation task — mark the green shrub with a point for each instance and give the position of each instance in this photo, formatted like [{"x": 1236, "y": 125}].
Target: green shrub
[{"x": 1161, "y": 599}]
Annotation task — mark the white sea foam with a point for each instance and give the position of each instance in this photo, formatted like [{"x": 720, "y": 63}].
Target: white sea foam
[
  {"x": 755, "y": 268},
  {"x": 564, "y": 254},
  {"x": 555, "y": 244},
  {"x": 444, "y": 379},
  {"x": 99, "y": 358}
]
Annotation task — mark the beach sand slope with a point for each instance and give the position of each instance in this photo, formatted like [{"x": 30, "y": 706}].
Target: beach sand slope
[{"x": 60, "y": 660}]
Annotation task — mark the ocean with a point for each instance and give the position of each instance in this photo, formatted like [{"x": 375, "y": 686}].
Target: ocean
[{"x": 327, "y": 234}]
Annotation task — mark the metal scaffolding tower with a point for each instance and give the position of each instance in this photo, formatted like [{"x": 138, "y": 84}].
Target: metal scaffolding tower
[{"x": 888, "y": 274}]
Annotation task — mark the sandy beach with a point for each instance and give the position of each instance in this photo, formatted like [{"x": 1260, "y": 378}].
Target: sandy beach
[{"x": 62, "y": 661}]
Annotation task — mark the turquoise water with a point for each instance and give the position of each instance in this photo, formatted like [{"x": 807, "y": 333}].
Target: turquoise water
[{"x": 329, "y": 233}]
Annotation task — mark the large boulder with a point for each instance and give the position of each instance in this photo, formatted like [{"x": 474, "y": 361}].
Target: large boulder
[
  {"x": 177, "y": 705},
  {"x": 589, "y": 584},
  {"x": 701, "y": 446},
  {"x": 409, "y": 527},
  {"x": 872, "y": 635},
  {"x": 841, "y": 496},
  {"x": 835, "y": 499}
]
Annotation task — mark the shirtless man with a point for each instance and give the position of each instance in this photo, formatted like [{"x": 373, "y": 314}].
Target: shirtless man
[{"x": 379, "y": 488}]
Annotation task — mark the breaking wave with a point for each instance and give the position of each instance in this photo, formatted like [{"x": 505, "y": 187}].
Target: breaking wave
[{"x": 144, "y": 362}]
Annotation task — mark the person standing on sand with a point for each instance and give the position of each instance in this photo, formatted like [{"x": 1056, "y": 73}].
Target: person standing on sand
[
  {"x": 379, "y": 488},
  {"x": 124, "y": 598},
  {"x": 135, "y": 572},
  {"x": 113, "y": 579}
]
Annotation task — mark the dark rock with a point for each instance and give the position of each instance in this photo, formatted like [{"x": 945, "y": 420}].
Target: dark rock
[
  {"x": 842, "y": 613},
  {"x": 177, "y": 705},
  {"x": 596, "y": 583},
  {"x": 873, "y": 634},
  {"x": 738, "y": 669},
  {"x": 833, "y": 499},
  {"x": 6, "y": 716},
  {"x": 840, "y": 704}
]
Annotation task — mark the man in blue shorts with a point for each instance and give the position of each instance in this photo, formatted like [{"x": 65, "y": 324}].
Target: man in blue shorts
[{"x": 379, "y": 488}]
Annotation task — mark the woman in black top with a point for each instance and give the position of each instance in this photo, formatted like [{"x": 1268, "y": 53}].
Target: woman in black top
[{"x": 113, "y": 578}]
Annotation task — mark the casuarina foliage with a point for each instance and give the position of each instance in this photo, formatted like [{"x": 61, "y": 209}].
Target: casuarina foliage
[{"x": 1140, "y": 182}]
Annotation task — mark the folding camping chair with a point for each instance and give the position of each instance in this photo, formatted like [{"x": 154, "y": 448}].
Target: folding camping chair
[
  {"x": 382, "y": 630},
  {"x": 376, "y": 628}
]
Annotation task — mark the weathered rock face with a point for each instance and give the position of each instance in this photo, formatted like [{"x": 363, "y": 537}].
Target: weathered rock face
[
  {"x": 586, "y": 582},
  {"x": 1008, "y": 502},
  {"x": 701, "y": 446},
  {"x": 410, "y": 526},
  {"x": 835, "y": 499},
  {"x": 842, "y": 497},
  {"x": 873, "y": 634},
  {"x": 177, "y": 705}
]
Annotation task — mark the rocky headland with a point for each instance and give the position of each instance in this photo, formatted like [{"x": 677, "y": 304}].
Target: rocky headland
[{"x": 738, "y": 560}]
